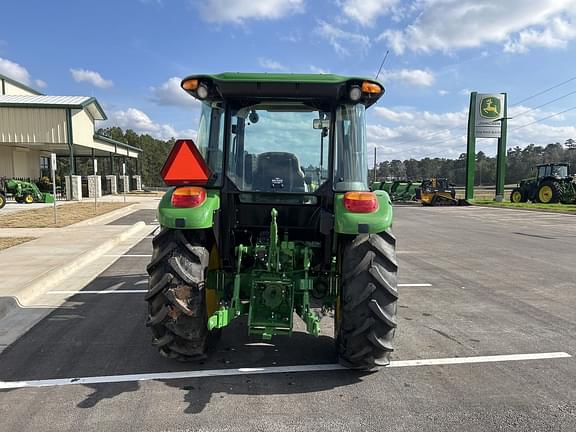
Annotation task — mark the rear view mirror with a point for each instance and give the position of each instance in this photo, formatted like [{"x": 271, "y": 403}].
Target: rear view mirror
[{"x": 321, "y": 124}]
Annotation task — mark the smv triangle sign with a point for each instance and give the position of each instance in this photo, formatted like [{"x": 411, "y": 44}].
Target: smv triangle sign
[{"x": 185, "y": 165}]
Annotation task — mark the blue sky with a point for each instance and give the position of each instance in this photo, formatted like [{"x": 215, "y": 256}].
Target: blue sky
[{"x": 131, "y": 54}]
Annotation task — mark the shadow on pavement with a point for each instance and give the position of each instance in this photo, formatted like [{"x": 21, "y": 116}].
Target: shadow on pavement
[
  {"x": 201, "y": 391},
  {"x": 106, "y": 391}
]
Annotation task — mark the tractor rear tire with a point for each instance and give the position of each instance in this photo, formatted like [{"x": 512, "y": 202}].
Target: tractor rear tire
[
  {"x": 176, "y": 296},
  {"x": 368, "y": 301},
  {"x": 518, "y": 196},
  {"x": 2, "y": 200},
  {"x": 548, "y": 192}
]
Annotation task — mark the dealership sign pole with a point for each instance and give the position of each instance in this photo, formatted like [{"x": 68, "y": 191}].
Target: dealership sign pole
[{"x": 487, "y": 119}]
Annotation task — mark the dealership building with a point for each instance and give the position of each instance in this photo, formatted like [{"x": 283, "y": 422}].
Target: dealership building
[{"x": 34, "y": 125}]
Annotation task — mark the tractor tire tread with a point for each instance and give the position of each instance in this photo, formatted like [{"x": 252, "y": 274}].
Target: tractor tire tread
[
  {"x": 179, "y": 325},
  {"x": 369, "y": 298}
]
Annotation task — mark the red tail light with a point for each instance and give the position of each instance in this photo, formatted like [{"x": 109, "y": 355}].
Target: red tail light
[
  {"x": 360, "y": 202},
  {"x": 188, "y": 196}
]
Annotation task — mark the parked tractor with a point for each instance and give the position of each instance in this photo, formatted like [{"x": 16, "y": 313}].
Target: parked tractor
[
  {"x": 437, "y": 192},
  {"x": 23, "y": 192},
  {"x": 2, "y": 192},
  {"x": 245, "y": 233},
  {"x": 552, "y": 184}
]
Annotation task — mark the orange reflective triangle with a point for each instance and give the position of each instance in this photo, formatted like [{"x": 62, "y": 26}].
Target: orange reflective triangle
[{"x": 185, "y": 165}]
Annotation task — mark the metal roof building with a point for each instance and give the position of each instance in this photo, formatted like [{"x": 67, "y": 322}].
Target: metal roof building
[{"x": 33, "y": 125}]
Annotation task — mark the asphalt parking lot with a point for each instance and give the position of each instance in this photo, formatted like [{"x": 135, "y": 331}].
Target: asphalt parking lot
[{"x": 490, "y": 291}]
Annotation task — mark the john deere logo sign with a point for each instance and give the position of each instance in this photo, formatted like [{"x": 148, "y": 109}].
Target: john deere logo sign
[
  {"x": 490, "y": 107},
  {"x": 489, "y": 112}
]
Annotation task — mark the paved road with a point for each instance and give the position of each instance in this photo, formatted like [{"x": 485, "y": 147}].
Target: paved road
[{"x": 500, "y": 282}]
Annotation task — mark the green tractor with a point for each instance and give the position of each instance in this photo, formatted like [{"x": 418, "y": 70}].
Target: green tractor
[
  {"x": 245, "y": 233},
  {"x": 2, "y": 192},
  {"x": 403, "y": 191},
  {"x": 553, "y": 184},
  {"x": 399, "y": 190},
  {"x": 23, "y": 192}
]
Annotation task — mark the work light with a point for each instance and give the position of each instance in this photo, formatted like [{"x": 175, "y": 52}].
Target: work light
[
  {"x": 355, "y": 93},
  {"x": 202, "y": 91}
]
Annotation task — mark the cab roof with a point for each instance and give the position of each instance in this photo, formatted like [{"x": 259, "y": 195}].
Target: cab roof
[{"x": 262, "y": 86}]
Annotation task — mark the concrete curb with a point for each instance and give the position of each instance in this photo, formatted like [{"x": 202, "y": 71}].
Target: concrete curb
[{"x": 52, "y": 278}]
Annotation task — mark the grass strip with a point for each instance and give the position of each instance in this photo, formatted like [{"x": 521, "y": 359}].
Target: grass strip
[
  {"x": 6, "y": 242},
  {"x": 66, "y": 215},
  {"x": 558, "y": 208}
]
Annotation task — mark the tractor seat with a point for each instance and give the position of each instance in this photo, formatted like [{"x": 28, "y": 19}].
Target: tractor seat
[{"x": 278, "y": 172}]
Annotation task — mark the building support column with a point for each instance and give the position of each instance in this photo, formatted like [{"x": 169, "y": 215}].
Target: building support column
[
  {"x": 112, "y": 172},
  {"x": 70, "y": 142}
]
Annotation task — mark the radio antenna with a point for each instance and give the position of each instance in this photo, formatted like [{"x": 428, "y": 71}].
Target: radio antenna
[{"x": 382, "y": 64}]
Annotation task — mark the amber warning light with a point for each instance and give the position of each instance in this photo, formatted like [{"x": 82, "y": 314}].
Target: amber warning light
[{"x": 185, "y": 165}]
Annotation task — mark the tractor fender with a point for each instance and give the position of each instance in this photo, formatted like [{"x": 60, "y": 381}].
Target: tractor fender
[
  {"x": 200, "y": 217},
  {"x": 347, "y": 222}
]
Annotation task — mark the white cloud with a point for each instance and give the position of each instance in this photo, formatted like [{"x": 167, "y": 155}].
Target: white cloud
[
  {"x": 443, "y": 92},
  {"x": 448, "y": 25},
  {"x": 408, "y": 133},
  {"x": 293, "y": 37},
  {"x": 14, "y": 71},
  {"x": 238, "y": 11},
  {"x": 271, "y": 64},
  {"x": 19, "y": 73},
  {"x": 555, "y": 35},
  {"x": 393, "y": 115},
  {"x": 40, "y": 84},
  {"x": 366, "y": 12},
  {"x": 343, "y": 42},
  {"x": 416, "y": 77},
  {"x": 140, "y": 122},
  {"x": 170, "y": 93},
  {"x": 318, "y": 70},
  {"x": 542, "y": 133},
  {"x": 91, "y": 77}
]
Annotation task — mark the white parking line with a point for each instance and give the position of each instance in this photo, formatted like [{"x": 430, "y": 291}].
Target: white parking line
[
  {"x": 97, "y": 292},
  {"x": 129, "y": 256},
  {"x": 268, "y": 370},
  {"x": 140, "y": 291}
]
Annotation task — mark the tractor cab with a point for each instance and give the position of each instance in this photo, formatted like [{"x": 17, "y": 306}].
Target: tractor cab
[
  {"x": 270, "y": 214},
  {"x": 289, "y": 142},
  {"x": 556, "y": 170}
]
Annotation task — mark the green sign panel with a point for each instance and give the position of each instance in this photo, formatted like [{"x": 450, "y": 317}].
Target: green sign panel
[
  {"x": 489, "y": 113},
  {"x": 490, "y": 107}
]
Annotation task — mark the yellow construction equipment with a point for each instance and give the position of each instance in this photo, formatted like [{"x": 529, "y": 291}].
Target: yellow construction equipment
[{"x": 436, "y": 192}]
